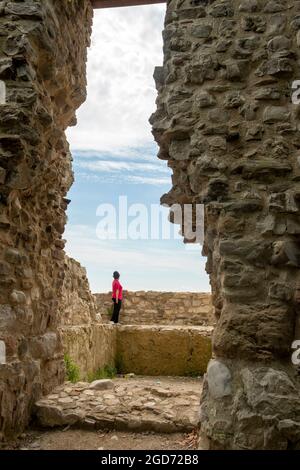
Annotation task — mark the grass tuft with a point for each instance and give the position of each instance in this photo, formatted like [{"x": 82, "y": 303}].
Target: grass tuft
[
  {"x": 106, "y": 372},
  {"x": 72, "y": 370}
]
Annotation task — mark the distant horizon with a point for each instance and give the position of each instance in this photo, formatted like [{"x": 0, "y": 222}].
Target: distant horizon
[{"x": 158, "y": 291}]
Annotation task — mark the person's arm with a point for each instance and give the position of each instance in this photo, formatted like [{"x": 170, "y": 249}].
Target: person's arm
[{"x": 117, "y": 296}]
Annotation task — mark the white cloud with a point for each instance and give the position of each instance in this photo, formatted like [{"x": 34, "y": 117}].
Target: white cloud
[
  {"x": 145, "y": 153},
  {"x": 133, "y": 179},
  {"x": 126, "y": 46},
  {"x": 117, "y": 166},
  {"x": 149, "y": 180},
  {"x": 164, "y": 266}
]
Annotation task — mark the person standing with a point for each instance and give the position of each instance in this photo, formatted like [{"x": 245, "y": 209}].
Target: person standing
[{"x": 117, "y": 297}]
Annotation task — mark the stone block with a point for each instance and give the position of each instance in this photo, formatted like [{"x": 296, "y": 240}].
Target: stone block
[
  {"x": 219, "y": 379},
  {"x": 18, "y": 297},
  {"x": 44, "y": 347},
  {"x": 7, "y": 317},
  {"x": 104, "y": 384},
  {"x": 13, "y": 256}
]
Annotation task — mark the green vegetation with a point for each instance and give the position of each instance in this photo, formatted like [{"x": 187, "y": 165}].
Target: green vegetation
[
  {"x": 72, "y": 370},
  {"x": 106, "y": 372}
]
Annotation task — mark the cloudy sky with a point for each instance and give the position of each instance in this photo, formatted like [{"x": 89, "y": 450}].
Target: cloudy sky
[{"x": 114, "y": 155}]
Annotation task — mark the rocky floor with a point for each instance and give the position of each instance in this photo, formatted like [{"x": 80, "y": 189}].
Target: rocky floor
[
  {"x": 139, "y": 404},
  {"x": 78, "y": 439}
]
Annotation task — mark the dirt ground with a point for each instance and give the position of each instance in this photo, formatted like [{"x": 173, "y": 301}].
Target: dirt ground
[{"x": 77, "y": 439}]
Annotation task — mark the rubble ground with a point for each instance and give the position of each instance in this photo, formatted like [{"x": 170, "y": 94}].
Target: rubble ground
[
  {"x": 79, "y": 439},
  {"x": 136, "y": 404},
  {"x": 126, "y": 413}
]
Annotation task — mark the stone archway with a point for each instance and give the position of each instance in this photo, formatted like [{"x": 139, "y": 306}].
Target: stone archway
[{"x": 226, "y": 124}]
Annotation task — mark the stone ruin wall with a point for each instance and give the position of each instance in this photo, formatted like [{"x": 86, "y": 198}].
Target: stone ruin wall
[
  {"x": 77, "y": 304},
  {"x": 226, "y": 125},
  {"x": 86, "y": 340},
  {"x": 42, "y": 67},
  {"x": 159, "y": 308},
  {"x": 165, "y": 350},
  {"x": 149, "y": 341},
  {"x": 155, "y": 349}
]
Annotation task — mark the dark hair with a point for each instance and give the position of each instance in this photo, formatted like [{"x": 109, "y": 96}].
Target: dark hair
[{"x": 116, "y": 275}]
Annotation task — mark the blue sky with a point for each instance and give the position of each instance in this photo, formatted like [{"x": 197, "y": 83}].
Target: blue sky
[{"x": 114, "y": 155}]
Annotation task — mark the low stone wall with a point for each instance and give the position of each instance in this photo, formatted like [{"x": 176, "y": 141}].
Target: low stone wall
[
  {"x": 91, "y": 347},
  {"x": 163, "y": 350},
  {"x": 92, "y": 343},
  {"x": 160, "y": 308},
  {"x": 143, "y": 349}
]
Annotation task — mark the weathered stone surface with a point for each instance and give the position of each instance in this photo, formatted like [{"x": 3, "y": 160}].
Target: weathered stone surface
[
  {"x": 90, "y": 346},
  {"x": 163, "y": 350},
  {"x": 241, "y": 77},
  {"x": 218, "y": 379},
  {"x": 18, "y": 297},
  {"x": 77, "y": 302},
  {"x": 7, "y": 317},
  {"x": 275, "y": 114},
  {"x": 262, "y": 413},
  {"x": 104, "y": 384},
  {"x": 139, "y": 404},
  {"x": 45, "y": 346},
  {"x": 153, "y": 350},
  {"x": 43, "y": 55},
  {"x": 159, "y": 308}
]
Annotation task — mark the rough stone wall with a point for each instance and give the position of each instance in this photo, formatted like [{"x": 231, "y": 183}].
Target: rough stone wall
[
  {"x": 226, "y": 124},
  {"x": 159, "y": 308},
  {"x": 163, "y": 350},
  {"x": 90, "y": 344},
  {"x": 77, "y": 304},
  {"x": 91, "y": 347},
  {"x": 42, "y": 72}
]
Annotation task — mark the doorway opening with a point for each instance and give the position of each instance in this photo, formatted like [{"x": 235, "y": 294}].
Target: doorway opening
[{"x": 116, "y": 221}]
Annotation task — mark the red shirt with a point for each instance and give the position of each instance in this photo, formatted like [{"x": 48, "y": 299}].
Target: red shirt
[{"x": 117, "y": 286}]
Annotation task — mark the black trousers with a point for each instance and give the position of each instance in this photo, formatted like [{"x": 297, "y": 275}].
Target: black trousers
[{"x": 116, "y": 311}]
